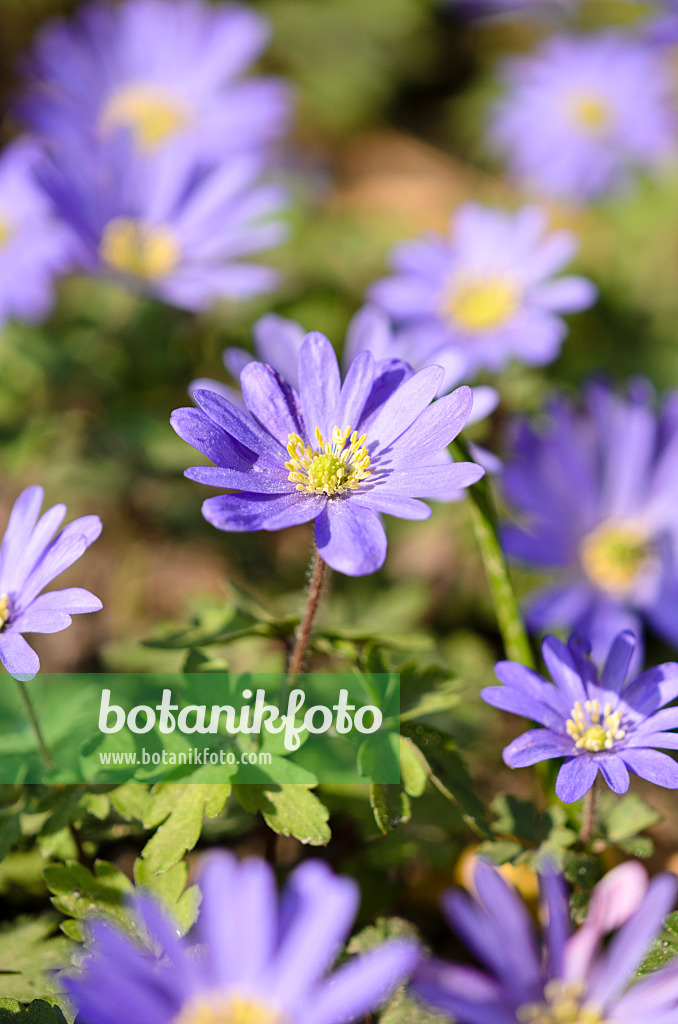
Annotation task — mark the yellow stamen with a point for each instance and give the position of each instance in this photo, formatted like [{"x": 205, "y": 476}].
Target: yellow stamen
[
  {"x": 233, "y": 1010},
  {"x": 562, "y": 1005},
  {"x": 590, "y": 112},
  {"x": 479, "y": 304},
  {"x": 4, "y": 611},
  {"x": 139, "y": 250},
  {"x": 615, "y": 555},
  {"x": 593, "y": 728},
  {"x": 337, "y": 465},
  {"x": 152, "y": 115}
]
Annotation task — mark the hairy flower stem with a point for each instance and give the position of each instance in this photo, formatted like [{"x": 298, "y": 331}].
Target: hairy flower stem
[
  {"x": 30, "y": 711},
  {"x": 509, "y": 619},
  {"x": 304, "y": 633},
  {"x": 590, "y": 814}
]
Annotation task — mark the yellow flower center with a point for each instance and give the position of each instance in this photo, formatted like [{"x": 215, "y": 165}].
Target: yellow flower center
[
  {"x": 594, "y": 728},
  {"x": 614, "y": 555},
  {"x": 139, "y": 250},
  {"x": 483, "y": 303},
  {"x": 4, "y": 611},
  {"x": 337, "y": 465},
  {"x": 5, "y": 232},
  {"x": 234, "y": 1010},
  {"x": 152, "y": 115},
  {"x": 590, "y": 112},
  {"x": 562, "y": 1005}
]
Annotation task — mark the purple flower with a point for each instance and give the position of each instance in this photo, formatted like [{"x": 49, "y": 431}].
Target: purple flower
[
  {"x": 339, "y": 454},
  {"x": 278, "y": 341},
  {"x": 511, "y": 8},
  {"x": 30, "y": 558},
  {"x": 559, "y": 975},
  {"x": 166, "y": 225},
  {"x": 663, "y": 28},
  {"x": 596, "y": 491},
  {"x": 484, "y": 295},
  {"x": 34, "y": 247},
  {"x": 584, "y": 112},
  {"x": 597, "y": 723},
  {"x": 259, "y": 959},
  {"x": 166, "y": 72}
]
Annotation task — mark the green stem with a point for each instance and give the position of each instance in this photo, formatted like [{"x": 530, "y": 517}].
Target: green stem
[
  {"x": 30, "y": 711},
  {"x": 306, "y": 625},
  {"x": 509, "y": 619}
]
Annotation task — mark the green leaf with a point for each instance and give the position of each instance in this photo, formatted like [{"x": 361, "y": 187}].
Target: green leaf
[
  {"x": 182, "y": 809},
  {"x": 664, "y": 949},
  {"x": 383, "y": 929},
  {"x": 81, "y": 894},
  {"x": 28, "y": 951},
  {"x": 623, "y": 819},
  {"x": 401, "y": 1009},
  {"x": 390, "y": 806},
  {"x": 169, "y": 887},
  {"x": 413, "y": 768},
  {"x": 289, "y": 811},
  {"x": 37, "y": 1012}
]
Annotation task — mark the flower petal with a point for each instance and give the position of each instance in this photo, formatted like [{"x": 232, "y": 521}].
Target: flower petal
[
  {"x": 575, "y": 778},
  {"x": 350, "y": 537},
  {"x": 17, "y": 656},
  {"x": 238, "y": 513}
]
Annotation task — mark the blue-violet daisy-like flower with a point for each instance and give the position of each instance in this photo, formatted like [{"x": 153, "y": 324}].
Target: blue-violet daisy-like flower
[
  {"x": 596, "y": 492},
  {"x": 486, "y": 294},
  {"x": 167, "y": 226},
  {"x": 34, "y": 246},
  {"x": 258, "y": 959},
  {"x": 598, "y": 723},
  {"x": 164, "y": 71},
  {"x": 582, "y": 113},
  {"x": 30, "y": 558},
  {"x": 337, "y": 453},
  {"x": 561, "y": 975}
]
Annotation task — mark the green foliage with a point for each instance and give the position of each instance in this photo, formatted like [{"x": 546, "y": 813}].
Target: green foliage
[
  {"x": 29, "y": 950},
  {"x": 290, "y": 810},
  {"x": 177, "y": 812},
  {"x": 526, "y": 835},
  {"x": 81, "y": 894},
  {"x": 622, "y": 820},
  {"x": 664, "y": 948},
  {"x": 37, "y": 1012}
]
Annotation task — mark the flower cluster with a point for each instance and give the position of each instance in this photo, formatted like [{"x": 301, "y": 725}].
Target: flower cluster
[
  {"x": 485, "y": 295},
  {"x": 606, "y": 522},
  {"x": 338, "y": 453},
  {"x": 597, "y": 722},
  {"x": 258, "y": 959},
  {"x": 583, "y": 113},
  {"x": 558, "y": 976},
  {"x": 30, "y": 558}
]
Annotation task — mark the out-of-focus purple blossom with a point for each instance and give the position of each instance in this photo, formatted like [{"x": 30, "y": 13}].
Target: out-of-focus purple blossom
[
  {"x": 34, "y": 246},
  {"x": 561, "y": 974},
  {"x": 552, "y": 9},
  {"x": 168, "y": 226},
  {"x": 259, "y": 959},
  {"x": 596, "y": 492},
  {"x": 486, "y": 294},
  {"x": 278, "y": 340},
  {"x": 597, "y": 722},
  {"x": 30, "y": 558},
  {"x": 167, "y": 71},
  {"x": 583, "y": 113},
  {"x": 341, "y": 454},
  {"x": 663, "y": 28}
]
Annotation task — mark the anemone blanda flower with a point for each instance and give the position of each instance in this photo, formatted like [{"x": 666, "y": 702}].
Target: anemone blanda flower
[
  {"x": 598, "y": 722},
  {"x": 165, "y": 71},
  {"x": 260, "y": 960},
  {"x": 30, "y": 558},
  {"x": 167, "y": 226},
  {"x": 34, "y": 246},
  {"x": 595, "y": 493},
  {"x": 339, "y": 454},
  {"x": 486, "y": 294},
  {"x": 560, "y": 975},
  {"x": 278, "y": 340},
  {"x": 583, "y": 113}
]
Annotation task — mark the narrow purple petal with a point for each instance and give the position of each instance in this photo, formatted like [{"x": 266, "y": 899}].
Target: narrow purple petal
[
  {"x": 575, "y": 778},
  {"x": 537, "y": 745},
  {"x": 239, "y": 513},
  {"x": 350, "y": 537},
  {"x": 17, "y": 656}
]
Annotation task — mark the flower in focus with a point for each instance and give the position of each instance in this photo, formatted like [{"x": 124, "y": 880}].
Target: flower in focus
[
  {"x": 484, "y": 295},
  {"x": 596, "y": 493},
  {"x": 337, "y": 453},
  {"x": 34, "y": 246},
  {"x": 582, "y": 113},
  {"x": 163, "y": 71},
  {"x": 598, "y": 723},
  {"x": 166, "y": 226},
  {"x": 277, "y": 341},
  {"x": 260, "y": 960},
  {"x": 560, "y": 976},
  {"x": 30, "y": 558}
]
